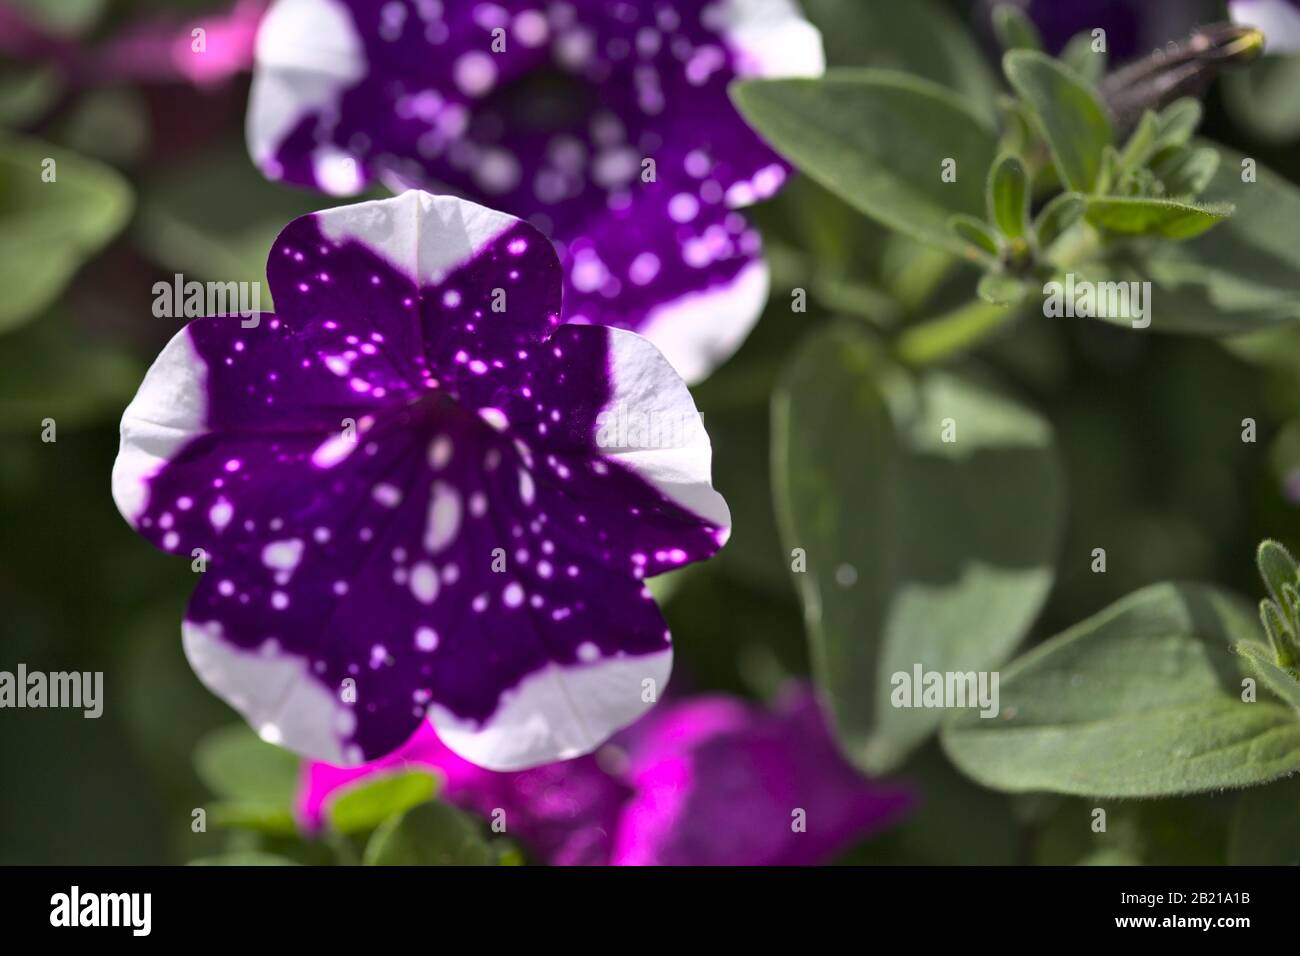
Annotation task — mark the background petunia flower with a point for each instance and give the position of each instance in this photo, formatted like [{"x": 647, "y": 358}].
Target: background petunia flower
[
  {"x": 1279, "y": 19},
  {"x": 707, "y": 781},
  {"x": 415, "y": 492},
  {"x": 606, "y": 124}
]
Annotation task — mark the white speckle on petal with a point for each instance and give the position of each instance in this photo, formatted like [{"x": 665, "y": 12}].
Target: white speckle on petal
[
  {"x": 282, "y": 555},
  {"x": 221, "y": 513},
  {"x": 475, "y": 73},
  {"x": 440, "y": 450},
  {"x": 390, "y": 496},
  {"x": 444, "y": 517},
  {"x": 424, "y": 582}
]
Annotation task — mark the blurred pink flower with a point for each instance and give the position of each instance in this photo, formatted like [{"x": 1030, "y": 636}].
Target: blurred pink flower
[
  {"x": 167, "y": 49},
  {"x": 707, "y": 781}
]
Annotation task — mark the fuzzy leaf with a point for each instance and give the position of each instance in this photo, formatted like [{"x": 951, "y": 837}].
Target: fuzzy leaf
[
  {"x": 831, "y": 128},
  {"x": 1143, "y": 699},
  {"x": 1066, "y": 113},
  {"x": 1056, "y": 217},
  {"x": 48, "y": 229},
  {"x": 364, "y": 805},
  {"x": 1134, "y": 215},
  {"x": 976, "y": 233},
  {"x": 1014, "y": 29},
  {"x": 918, "y": 550},
  {"x": 1008, "y": 197}
]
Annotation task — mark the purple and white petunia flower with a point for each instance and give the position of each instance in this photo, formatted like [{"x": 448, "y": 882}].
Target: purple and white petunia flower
[
  {"x": 709, "y": 781},
  {"x": 605, "y": 123},
  {"x": 1279, "y": 19},
  {"x": 417, "y": 492}
]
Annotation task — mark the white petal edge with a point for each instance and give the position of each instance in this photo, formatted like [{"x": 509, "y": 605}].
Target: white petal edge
[
  {"x": 665, "y": 442},
  {"x": 769, "y": 37},
  {"x": 307, "y": 53},
  {"x": 558, "y": 713},
  {"x": 275, "y": 692},
  {"x": 418, "y": 233},
  {"x": 700, "y": 331},
  {"x": 1279, "y": 19},
  {"x": 165, "y": 414}
]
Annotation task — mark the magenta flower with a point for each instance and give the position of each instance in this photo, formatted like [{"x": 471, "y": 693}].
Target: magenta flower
[
  {"x": 708, "y": 781},
  {"x": 408, "y": 496},
  {"x": 161, "y": 49},
  {"x": 605, "y": 123}
]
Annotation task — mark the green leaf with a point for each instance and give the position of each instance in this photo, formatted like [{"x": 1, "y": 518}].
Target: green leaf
[
  {"x": 245, "y": 858},
  {"x": 1137, "y": 216},
  {"x": 272, "y": 818},
  {"x": 997, "y": 288},
  {"x": 364, "y": 805},
  {"x": 1178, "y": 122},
  {"x": 1185, "y": 171},
  {"x": 431, "y": 834},
  {"x": 1014, "y": 29},
  {"x": 1240, "y": 276},
  {"x": 918, "y": 550},
  {"x": 834, "y": 130},
  {"x": 1262, "y": 661},
  {"x": 1277, "y": 630},
  {"x": 234, "y": 762},
  {"x": 1080, "y": 57},
  {"x": 1266, "y": 826},
  {"x": 1066, "y": 113},
  {"x": 921, "y": 37},
  {"x": 1008, "y": 196},
  {"x": 1143, "y": 699},
  {"x": 1276, "y": 567},
  {"x": 1141, "y": 146},
  {"x": 48, "y": 229},
  {"x": 1056, "y": 217},
  {"x": 975, "y": 233}
]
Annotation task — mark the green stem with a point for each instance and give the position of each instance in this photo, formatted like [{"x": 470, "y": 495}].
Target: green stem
[
  {"x": 970, "y": 325},
  {"x": 957, "y": 331}
]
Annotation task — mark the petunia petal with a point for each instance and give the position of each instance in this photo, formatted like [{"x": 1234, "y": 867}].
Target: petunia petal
[
  {"x": 606, "y": 125},
  {"x": 719, "y": 784},
  {"x": 404, "y": 501}
]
